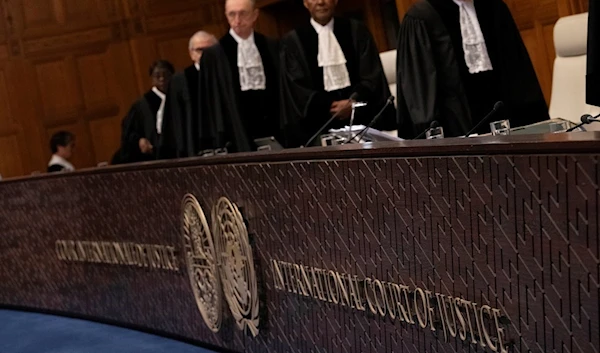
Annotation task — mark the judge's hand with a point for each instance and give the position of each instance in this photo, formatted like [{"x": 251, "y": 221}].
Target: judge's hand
[
  {"x": 342, "y": 108},
  {"x": 145, "y": 146}
]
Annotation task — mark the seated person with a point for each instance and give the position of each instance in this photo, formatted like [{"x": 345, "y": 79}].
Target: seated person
[
  {"x": 61, "y": 144},
  {"x": 142, "y": 137}
]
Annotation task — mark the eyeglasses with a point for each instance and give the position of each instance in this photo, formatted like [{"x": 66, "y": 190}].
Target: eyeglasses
[{"x": 199, "y": 50}]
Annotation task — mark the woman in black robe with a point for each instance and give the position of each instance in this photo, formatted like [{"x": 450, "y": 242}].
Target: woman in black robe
[
  {"x": 141, "y": 139},
  {"x": 434, "y": 82}
]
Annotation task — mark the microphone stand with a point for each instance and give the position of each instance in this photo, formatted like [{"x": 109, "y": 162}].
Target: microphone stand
[
  {"x": 434, "y": 124},
  {"x": 352, "y": 98},
  {"x": 497, "y": 107},
  {"x": 580, "y": 125},
  {"x": 354, "y": 106},
  {"x": 360, "y": 134},
  {"x": 585, "y": 120}
]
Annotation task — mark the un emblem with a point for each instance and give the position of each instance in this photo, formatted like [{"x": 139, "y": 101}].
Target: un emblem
[
  {"x": 220, "y": 263},
  {"x": 201, "y": 258},
  {"x": 236, "y": 265}
]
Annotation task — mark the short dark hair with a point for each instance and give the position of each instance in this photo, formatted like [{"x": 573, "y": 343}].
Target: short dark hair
[
  {"x": 61, "y": 138},
  {"x": 162, "y": 64}
]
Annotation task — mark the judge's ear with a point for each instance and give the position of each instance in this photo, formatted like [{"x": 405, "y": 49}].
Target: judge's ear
[{"x": 255, "y": 14}]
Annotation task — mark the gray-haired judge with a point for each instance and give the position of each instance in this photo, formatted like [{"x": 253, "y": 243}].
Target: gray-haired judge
[
  {"x": 239, "y": 80},
  {"x": 182, "y": 101}
]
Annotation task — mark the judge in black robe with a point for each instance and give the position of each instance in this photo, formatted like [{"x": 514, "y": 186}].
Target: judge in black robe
[
  {"x": 434, "y": 82},
  {"x": 182, "y": 101},
  {"x": 593, "y": 62},
  {"x": 306, "y": 103},
  {"x": 230, "y": 117},
  {"x": 141, "y": 140}
]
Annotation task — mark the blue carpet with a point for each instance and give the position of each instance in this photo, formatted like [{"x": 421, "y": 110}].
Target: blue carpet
[{"x": 23, "y": 332}]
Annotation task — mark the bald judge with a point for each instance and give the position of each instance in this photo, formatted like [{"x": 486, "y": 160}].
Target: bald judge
[
  {"x": 239, "y": 84},
  {"x": 182, "y": 100},
  {"x": 324, "y": 63}
]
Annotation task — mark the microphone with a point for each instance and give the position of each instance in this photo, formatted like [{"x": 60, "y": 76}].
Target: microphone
[
  {"x": 352, "y": 98},
  {"x": 433, "y": 125},
  {"x": 361, "y": 133},
  {"x": 498, "y": 106},
  {"x": 590, "y": 119},
  {"x": 585, "y": 120}
]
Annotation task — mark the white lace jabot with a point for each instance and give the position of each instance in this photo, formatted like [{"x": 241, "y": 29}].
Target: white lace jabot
[
  {"x": 476, "y": 53},
  {"x": 331, "y": 58},
  {"x": 250, "y": 65},
  {"x": 161, "y": 109}
]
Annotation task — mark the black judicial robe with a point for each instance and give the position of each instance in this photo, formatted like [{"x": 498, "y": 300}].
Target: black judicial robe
[
  {"x": 593, "y": 55},
  {"x": 181, "y": 111},
  {"x": 433, "y": 79},
  {"x": 306, "y": 104},
  {"x": 229, "y": 117},
  {"x": 139, "y": 123},
  {"x": 55, "y": 168}
]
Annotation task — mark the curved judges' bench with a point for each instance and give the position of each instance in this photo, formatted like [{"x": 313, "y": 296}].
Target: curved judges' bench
[{"x": 455, "y": 245}]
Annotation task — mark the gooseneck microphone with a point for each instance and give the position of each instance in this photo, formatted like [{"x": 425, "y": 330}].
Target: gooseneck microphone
[
  {"x": 497, "y": 107},
  {"x": 434, "y": 124},
  {"x": 352, "y": 98},
  {"x": 585, "y": 120},
  {"x": 362, "y": 132},
  {"x": 588, "y": 119}
]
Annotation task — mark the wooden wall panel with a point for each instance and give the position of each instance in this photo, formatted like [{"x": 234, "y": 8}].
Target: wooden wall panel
[
  {"x": 12, "y": 142},
  {"x": 103, "y": 138},
  {"x": 7, "y": 118},
  {"x": 11, "y": 163},
  {"x": 162, "y": 29},
  {"x": 79, "y": 65},
  {"x": 3, "y": 51},
  {"x": 279, "y": 17},
  {"x": 60, "y": 98},
  {"x": 78, "y": 89},
  {"x": 96, "y": 80},
  {"x": 175, "y": 49}
]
